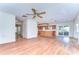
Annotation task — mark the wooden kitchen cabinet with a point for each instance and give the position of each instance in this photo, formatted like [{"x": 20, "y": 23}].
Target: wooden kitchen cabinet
[
  {"x": 47, "y": 33},
  {"x": 47, "y": 30}
]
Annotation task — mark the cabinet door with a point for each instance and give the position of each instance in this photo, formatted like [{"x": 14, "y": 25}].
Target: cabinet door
[
  {"x": 48, "y": 33},
  {"x": 54, "y": 33},
  {"x": 41, "y": 33},
  {"x": 53, "y": 26}
]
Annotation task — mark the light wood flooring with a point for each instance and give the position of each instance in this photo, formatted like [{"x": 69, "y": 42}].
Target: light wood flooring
[{"x": 37, "y": 46}]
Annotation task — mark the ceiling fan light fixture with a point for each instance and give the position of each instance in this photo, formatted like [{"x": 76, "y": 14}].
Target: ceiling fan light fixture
[{"x": 35, "y": 14}]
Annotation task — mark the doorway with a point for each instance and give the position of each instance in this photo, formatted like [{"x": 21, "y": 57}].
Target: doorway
[{"x": 19, "y": 29}]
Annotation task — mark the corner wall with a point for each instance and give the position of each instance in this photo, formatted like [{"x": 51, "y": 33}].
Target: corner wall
[{"x": 30, "y": 29}]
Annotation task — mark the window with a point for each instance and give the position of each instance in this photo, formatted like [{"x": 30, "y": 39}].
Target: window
[
  {"x": 60, "y": 30},
  {"x": 63, "y": 30},
  {"x": 77, "y": 29},
  {"x": 66, "y": 30}
]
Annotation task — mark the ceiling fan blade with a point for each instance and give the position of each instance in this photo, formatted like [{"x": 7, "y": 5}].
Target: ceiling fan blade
[
  {"x": 24, "y": 16},
  {"x": 39, "y": 16},
  {"x": 34, "y": 10},
  {"x": 42, "y": 13},
  {"x": 34, "y": 17},
  {"x": 29, "y": 14}
]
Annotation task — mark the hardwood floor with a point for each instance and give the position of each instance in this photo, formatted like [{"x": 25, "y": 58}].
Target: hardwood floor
[{"x": 37, "y": 46}]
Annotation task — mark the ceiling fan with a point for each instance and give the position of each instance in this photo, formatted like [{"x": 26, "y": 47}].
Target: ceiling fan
[{"x": 35, "y": 14}]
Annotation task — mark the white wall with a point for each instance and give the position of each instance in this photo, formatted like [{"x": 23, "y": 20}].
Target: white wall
[
  {"x": 7, "y": 28},
  {"x": 70, "y": 24},
  {"x": 24, "y": 29},
  {"x": 30, "y": 29}
]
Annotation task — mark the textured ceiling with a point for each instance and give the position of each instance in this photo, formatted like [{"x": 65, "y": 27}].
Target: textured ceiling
[{"x": 54, "y": 11}]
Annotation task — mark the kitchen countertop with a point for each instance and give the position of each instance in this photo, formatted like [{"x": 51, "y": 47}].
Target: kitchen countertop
[{"x": 46, "y": 30}]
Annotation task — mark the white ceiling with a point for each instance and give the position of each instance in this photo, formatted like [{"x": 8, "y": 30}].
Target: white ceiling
[{"x": 54, "y": 11}]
